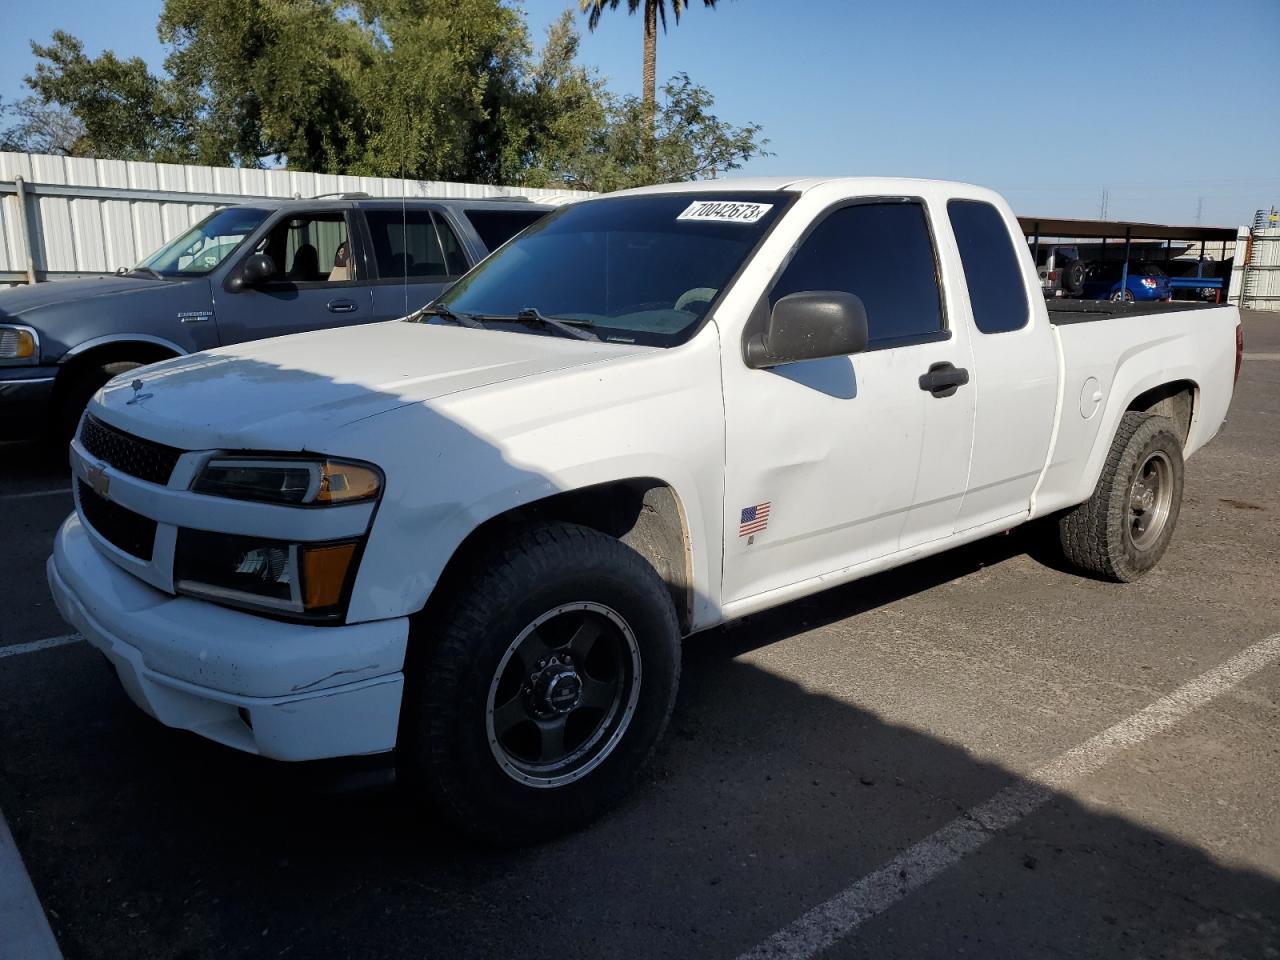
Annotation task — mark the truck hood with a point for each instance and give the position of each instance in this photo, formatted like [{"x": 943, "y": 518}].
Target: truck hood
[{"x": 291, "y": 393}]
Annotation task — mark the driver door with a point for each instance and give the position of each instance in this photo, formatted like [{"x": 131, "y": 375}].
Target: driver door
[
  {"x": 835, "y": 462},
  {"x": 318, "y": 281}
]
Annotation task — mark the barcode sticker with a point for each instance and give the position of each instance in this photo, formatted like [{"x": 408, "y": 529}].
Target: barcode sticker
[{"x": 725, "y": 211}]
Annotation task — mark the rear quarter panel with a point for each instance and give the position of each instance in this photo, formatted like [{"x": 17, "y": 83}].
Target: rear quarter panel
[{"x": 1124, "y": 357}]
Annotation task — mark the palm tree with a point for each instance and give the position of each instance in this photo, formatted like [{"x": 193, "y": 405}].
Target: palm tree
[{"x": 654, "y": 11}]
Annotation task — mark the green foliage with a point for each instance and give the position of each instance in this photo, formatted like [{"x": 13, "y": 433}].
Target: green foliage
[{"x": 430, "y": 89}]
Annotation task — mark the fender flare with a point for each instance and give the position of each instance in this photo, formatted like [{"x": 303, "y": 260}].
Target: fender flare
[{"x": 121, "y": 338}]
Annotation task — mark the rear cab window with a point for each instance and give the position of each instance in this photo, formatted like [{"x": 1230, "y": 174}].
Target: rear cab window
[
  {"x": 882, "y": 252},
  {"x": 997, "y": 295}
]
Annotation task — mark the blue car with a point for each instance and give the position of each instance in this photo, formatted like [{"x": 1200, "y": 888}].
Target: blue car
[{"x": 1146, "y": 281}]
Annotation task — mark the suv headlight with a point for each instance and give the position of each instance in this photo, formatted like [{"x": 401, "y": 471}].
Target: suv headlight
[
  {"x": 300, "y": 482},
  {"x": 309, "y": 581},
  {"x": 18, "y": 344}
]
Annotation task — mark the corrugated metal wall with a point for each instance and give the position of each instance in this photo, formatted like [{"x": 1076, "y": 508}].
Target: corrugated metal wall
[
  {"x": 1262, "y": 275},
  {"x": 120, "y": 219}
]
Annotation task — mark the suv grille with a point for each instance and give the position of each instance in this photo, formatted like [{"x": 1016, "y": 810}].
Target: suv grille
[
  {"x": 131, "y": 532},
  {"x": 144, "y": 459}
]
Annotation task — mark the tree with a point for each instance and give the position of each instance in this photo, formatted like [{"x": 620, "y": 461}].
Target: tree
[
  {"x": 40, "y": 128},
  {"x": 124, "y": 112},
  {"x": 654, "y": 11},
  {"x": 426, "y": 89}
]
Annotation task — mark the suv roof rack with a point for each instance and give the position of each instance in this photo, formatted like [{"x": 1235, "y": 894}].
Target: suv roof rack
[{"x": 343, "y": 195}]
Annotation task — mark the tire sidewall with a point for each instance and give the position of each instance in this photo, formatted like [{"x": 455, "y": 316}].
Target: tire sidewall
[
  {"x": 457, "y": 750},
  {"x": 1155, "y": 434}
]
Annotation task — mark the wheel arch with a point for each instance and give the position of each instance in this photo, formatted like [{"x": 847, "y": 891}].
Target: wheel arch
[
  {"x": 645, "y": 513},
  {"x": 104, "y": 350}
]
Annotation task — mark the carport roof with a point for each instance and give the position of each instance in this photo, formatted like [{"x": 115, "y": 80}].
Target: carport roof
[{"x": 1116, "y": 229}]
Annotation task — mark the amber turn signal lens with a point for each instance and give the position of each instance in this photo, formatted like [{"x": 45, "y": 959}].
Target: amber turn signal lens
[
  {"x": 17, "y": 344},
  {"x": 324, "y": 574},
  {"x": 341, "y": 482}
]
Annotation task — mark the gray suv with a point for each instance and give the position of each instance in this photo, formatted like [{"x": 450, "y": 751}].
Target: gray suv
[{"x": 261, "y": 269}]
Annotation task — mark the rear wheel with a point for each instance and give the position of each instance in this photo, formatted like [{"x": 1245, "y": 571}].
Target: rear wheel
[
  {"x": 547, "y": 684},
  {"x": 1122, "y": 296},
  {"x": 1123, "y": 530}
]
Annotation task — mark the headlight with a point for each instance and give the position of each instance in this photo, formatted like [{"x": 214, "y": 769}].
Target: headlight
[
  {"x": 18, "y": 344},
  {"x": 307, "y": 580},
  {"x": 281, "y": 480}
]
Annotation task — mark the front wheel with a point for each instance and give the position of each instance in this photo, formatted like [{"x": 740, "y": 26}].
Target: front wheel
[
  {"x": 1122, "y": 296},
  {"x": 1123, "y": 530},
  {"x": 547, "y": 684}
]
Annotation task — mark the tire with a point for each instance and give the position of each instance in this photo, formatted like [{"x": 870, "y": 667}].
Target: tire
[
  {"x": 1122, "y": 296},
  {"x": 472, "y": 728},
  {"x": 1123, "y": 530},
  {"x": 78, "y": 393},
  {"x": 1073, "y": 275}
]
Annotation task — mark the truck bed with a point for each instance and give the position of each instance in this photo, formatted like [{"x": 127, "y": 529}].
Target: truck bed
[{"x": 1085, "y": 311}]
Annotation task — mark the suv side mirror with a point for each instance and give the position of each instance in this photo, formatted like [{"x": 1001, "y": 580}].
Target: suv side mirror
[
  {"x": 254, "y": 272},
  {"x": 809, "y": 326}
]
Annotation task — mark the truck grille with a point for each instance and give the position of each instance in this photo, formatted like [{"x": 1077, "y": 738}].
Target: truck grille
[
  {"x": 144, "y": 459},
  {"x": 119, "y": 526}
]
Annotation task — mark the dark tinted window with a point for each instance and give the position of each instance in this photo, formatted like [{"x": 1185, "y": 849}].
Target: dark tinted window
[
  {"x": 641, "y": 269},
  {"x": 996, "y": 291},
  {"x": 408, "y": 245},
  {"x": 882, "y": 253},
  {"x": 496, "y": 227}
]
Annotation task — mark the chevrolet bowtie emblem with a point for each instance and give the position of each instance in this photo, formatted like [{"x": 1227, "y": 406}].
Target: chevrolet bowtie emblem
[
  {"x": 99, "y": 481},
  {"x": 137, "y": 395}
]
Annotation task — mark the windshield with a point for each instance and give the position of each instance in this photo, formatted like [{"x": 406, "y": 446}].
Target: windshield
[
  {"x": 641, "y": 269},
  {"x": 206, "y": 244}
]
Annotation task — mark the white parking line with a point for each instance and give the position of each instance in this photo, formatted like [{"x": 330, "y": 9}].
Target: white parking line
[
  {"x": 18, "y": 649},
  {"x": 32, "y": 494},
  {"x": 877, "y": 892},
  {"x": 24, "y": 929}
]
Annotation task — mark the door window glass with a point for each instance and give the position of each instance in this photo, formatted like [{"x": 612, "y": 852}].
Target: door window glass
[
  {"x": 996, "y": 292},
  {"x": 881, "y": 253},
  {"x": 408, "y": 246},
  {"x": 310, "y": 248}
]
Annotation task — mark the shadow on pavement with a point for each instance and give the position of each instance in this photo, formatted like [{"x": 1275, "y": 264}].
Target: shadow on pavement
[{"x": 765, "y": 800}]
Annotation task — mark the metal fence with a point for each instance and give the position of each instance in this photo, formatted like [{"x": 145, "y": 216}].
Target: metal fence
[
  {"x": 1261, "y": 287},
  {"x": 70, "y": 217}
]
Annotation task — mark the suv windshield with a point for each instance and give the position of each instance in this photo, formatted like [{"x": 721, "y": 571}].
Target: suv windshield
[
  {"x": 205, "y": 245},
  {"x": 641, "y": 269}
]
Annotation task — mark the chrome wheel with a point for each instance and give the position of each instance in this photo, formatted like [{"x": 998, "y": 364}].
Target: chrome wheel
[
  {"x": 1149, "y": 499},
  {"x": 563, "y": 694}
]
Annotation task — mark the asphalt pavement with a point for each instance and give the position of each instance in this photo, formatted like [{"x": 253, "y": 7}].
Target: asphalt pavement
[{"x": 980, "y": 754}]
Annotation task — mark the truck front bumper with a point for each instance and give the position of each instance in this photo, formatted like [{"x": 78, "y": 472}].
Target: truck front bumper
[
  {"x": 25, "y": 395},
  {"x": 282, "y": 690}
]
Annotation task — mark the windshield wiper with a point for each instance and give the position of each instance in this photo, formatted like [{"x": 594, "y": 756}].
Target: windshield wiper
[
  {"x": 568, "y": 328},
  {"x": 444, "y": 313}
]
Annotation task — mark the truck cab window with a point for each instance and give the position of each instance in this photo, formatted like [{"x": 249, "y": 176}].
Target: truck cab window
[
  {"x": 996, "y": 291},
  {"x": 881, "y": 253}
]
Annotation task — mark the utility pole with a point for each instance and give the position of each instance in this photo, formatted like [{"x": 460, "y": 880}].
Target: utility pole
[
  {"x": 1106, "y": 202},
  {"x": 1199, "y": 209}
]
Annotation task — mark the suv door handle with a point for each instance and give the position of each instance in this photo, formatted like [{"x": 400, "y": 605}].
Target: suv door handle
[
  {"x": 342, "y": 306},
  {"x": 944, "y": 379}
]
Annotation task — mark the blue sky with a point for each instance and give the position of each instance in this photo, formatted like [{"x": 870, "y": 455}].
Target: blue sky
[{"x": 1161, "y": 102}]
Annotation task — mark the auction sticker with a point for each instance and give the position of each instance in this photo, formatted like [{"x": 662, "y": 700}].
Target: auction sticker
[{"x": 725, "y": 211}]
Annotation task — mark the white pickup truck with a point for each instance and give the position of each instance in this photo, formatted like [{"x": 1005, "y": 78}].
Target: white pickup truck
[{"x": 473, "y": 539}]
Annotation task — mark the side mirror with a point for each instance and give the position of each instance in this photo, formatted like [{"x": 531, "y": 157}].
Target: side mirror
[
  {"x": 809, "y": 326},
  {"x": 254, "y": 272}
]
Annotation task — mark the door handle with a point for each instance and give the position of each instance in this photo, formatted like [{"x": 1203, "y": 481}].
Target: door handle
[
  {"x": 944, "y": 379},
  {"x": 342, "y": 306}
]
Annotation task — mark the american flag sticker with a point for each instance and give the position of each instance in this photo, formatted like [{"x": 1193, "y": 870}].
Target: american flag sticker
[{"x": 754, "y": 519}]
